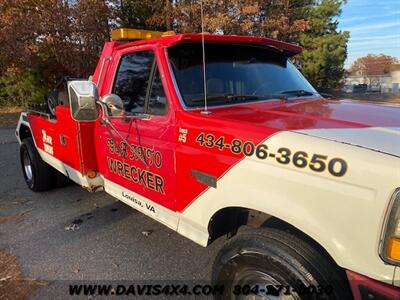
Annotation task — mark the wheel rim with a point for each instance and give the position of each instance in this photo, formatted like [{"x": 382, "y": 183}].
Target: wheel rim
[
  {"x": 256, "y": 278},
  {"x": 27, "y": 166}
]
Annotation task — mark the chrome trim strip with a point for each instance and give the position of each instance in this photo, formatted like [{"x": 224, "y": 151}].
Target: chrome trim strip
[
  {"x": 177, "y": 91},
  {"x": 105, "y": 59}
]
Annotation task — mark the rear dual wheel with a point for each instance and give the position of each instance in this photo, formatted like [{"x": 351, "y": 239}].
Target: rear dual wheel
[
  {"x": 275, "y": 265},
  {"x": 38, "y": 175}
]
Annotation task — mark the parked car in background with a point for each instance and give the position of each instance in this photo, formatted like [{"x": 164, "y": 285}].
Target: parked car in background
[
  {"x": 360, "y": 88},
  {"x": 374, "y": 88},
  {"x": 348, "y": 89}
]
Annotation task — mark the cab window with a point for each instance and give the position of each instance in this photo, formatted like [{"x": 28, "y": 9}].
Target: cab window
[
  {"x": 132, "y": 80},
  {"x": 157, "y": 101},
  {"x": 235, "y": 73},
  {"x": 139, "y": 84}
]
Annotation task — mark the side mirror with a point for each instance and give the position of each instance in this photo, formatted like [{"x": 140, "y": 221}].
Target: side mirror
[
  {"x": 82, "y": 97},
  {"x": 114, "y": 104}
]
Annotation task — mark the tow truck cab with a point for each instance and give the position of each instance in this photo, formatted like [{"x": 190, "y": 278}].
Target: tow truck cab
[{"x": 264, "y": 149}]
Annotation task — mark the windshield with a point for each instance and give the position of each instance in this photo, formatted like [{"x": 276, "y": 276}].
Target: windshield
[{"x": 235, "y": 74}]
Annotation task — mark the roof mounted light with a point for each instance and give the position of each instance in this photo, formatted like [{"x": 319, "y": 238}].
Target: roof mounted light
[{"x": 129, "y": 34}]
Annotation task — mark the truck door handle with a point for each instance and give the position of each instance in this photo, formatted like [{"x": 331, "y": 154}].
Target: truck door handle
[{"x": 63, "y": 141}]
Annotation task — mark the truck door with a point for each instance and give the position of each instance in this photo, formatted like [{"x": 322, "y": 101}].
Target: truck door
[{"x": 142, "y": 163}]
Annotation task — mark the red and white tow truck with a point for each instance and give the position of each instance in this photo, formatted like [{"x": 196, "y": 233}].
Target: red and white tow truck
[{"x": 238, "y": 145}]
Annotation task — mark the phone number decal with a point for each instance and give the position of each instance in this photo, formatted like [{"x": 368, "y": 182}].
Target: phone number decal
[
  {"x": 282, "y": 290},
  {"x": 315, "y": 162}
]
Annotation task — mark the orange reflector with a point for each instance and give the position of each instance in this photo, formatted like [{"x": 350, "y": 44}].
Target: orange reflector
[
  {"x": 91, "y": 174},
  {"x": 393, "y": 249}
]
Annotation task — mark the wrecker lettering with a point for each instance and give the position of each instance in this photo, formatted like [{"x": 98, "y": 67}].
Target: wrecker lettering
[
  {"x": 111, "y": 145},
  {"x": 120, "y": 149},
  {"x": 47, "y": 143},
  {"x": 142, "y": 177},
  {"x": 148, "y": 179},
  {"x": 134, "y": 152},
  {"x": 134, "y": 174}
]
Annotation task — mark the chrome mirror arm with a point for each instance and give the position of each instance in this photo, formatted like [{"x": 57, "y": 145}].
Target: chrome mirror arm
[
  {"x": 107, "y": 122},
  {"x": 103, "y": 107}
]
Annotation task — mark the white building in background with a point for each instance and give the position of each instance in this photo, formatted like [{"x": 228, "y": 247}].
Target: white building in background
[
  {"x": 388, "y": 82},
  {"x": 395, "y": 72}
]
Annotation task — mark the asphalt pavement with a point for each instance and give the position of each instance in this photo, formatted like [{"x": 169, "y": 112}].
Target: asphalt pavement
[{"x": 110, "y": 241}]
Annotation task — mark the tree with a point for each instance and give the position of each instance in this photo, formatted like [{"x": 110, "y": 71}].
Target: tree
[
  {"x": 31, "y": 31},
  {"x": 32, "y": 35},
  {"x": 44, "y": 40},
  {"x": 90, "y": 27},
  {"x": 277, "y": 19},
  {"x": 325, "y": 47},
  {"x": 20, "y": 87},
  {"x": 284, "y": 20},
  {"x": 139, "y": 14},
  {"x": 373, "y": 65},
  {"x": 312, "y": 23}
]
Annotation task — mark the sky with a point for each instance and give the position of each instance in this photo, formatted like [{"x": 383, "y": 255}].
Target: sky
[{"x": 374, "y": 27}]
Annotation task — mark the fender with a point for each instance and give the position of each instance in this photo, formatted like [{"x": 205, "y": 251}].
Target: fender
[
  {"x": 318, "y": 204},
  {"x": 23, "y": 123}
]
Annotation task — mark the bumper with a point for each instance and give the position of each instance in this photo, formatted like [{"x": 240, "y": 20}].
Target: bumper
[{"x": 364, "y": 288}]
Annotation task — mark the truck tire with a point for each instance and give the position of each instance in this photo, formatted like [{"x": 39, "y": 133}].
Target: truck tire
[
  {"x": 267, "y": 259},
  {"x": 62, "y": 180},
  {"x": 38, "y": 175}
]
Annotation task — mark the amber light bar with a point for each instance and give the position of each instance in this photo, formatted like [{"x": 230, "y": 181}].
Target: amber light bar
[{"x": 130, "y": 34}]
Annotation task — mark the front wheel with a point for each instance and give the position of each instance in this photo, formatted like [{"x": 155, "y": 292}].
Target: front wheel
[
  {"x": 38, "y": 175},
  {"x": 272, "y": 264}
]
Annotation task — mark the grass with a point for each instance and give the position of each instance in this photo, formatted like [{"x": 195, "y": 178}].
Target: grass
[
  {"x": 13, "y": 284},
  {"x": 9, "y": 115},
  {"x": 10, "y": 109},
  {"x": 397, "y": 100}
]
